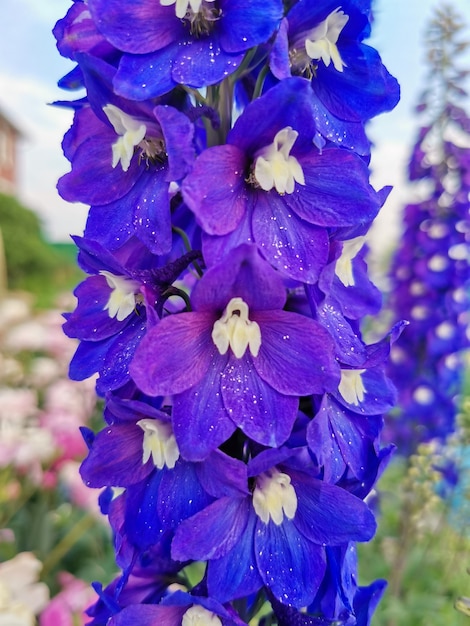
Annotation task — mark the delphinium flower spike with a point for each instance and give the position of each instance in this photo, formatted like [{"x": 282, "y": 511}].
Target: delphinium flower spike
[
  {"x": 430, "y": 273},
  {"x": 225, "y": 250}
]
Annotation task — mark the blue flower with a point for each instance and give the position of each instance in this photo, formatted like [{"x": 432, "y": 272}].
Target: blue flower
[
  {"x": 236, "y": 360},
  {"x": 194, "y": 43},
  {"x": 270, "y": 185},
  {"x": 176, "y": 609},
  {"x": 275, "y": 535},
  {"x": 124, "y": 156},
  {"x": 138, "y": 452},
  {"x": 339, "y": 600},
  {"x": 323, "y": 41},
  {"x": 125, "y": 293}
]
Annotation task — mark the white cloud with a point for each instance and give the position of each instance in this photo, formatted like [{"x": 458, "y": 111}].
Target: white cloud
[
  {"x": 40, "y": 157},
  {"x": 48, "y": 12}
]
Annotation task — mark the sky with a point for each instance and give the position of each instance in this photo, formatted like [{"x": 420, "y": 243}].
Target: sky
[{"x": 30, "y": 67}]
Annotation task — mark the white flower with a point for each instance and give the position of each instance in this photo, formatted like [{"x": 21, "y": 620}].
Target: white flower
[{"x": 21, "y": 596}]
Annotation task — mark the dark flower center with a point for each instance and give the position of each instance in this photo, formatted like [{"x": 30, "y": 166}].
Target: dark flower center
[{"x": 202, "y": 22}]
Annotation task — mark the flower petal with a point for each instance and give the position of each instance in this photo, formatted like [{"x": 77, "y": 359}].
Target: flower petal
[
  {"x": 114, "y": 371},
  {"x": 174, "y": 355},
  {"x": 200, "y": 62},
  {"x": 145, "y": 76},
  {"x": 329, "y": 515},
  {"x": 142, "y": 523},
  {"x": 200, "y": 420},
  {"x": 260, "y": 411},
  {"x": 322, "y": 442},
  {"x": 247, "y": 276},
  {"x": 90, "y": 321},
  {"x": 153, "y": 25},
  {"x": 93, "y": 180},
  {"x": 211, "y": 533},
  {"x": 246, "y": 23},
  {"x": 290, "y": 565},
  {"x": 180, "y": 495},
  {"x": 215, "y": 190},
  {"x": 330, "y": 197},
  {"x": 115, "y": 458},
  {"x": 296, "y": 356},
  {"x": 235, "y": 574},
  {"x": 292, "y": 245},
  {"x": 148, "y": 615}
]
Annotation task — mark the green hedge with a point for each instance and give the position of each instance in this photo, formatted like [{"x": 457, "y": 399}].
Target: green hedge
[{"x": 33, "y": 264}]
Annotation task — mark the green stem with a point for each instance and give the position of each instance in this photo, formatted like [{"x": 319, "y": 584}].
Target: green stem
[
  {"x": 195, "y": 94},
  {"x": 66, "y": 543},
  {"x": 187, "y": 245},
  {"x": 184, "y": 237},
  {"x": 174, "y": 291},
  {"x": 260, "y": 82},
  {"x": 225, "y": 108},
  {"x": 27, "y": 494},
  {"x": 245, "y": 64},
  {"x": 212, "y": 134}
]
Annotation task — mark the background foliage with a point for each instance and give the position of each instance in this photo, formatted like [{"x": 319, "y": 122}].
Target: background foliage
[{"x": 33, "y": 264}]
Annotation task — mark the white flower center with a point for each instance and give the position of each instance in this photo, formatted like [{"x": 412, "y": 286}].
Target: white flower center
[
  {"x": 423, "y": 395},
  {"x": 459, "y": 252},
  {"x": 445, "y": 330},
  {"x": 438, "y": 263},
  {"x": 438, "y": 230},
  {"x": 122, "y": 299},
  {"x": 236, "y": 330},
  {"x": 419, "y": 312},
  {"x": 199, "y": 616},
  {"x": 417, "y": 288},
  {"x": 321, "y": 40},
  {"x": 343, "y": 267},
  {"x": 182, "y": 7},
  {"x": 274, "y": 497},
  {"x": 275, "y": 167},
  {"x": 159, "y": 443},
  {"x": 131, "y": 132},
  {"x": 351, "y": 386}
]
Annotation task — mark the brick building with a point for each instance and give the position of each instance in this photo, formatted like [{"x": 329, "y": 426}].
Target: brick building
[{"x": 9, "y": 136}]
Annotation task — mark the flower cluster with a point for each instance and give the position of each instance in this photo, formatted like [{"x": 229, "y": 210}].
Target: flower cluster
[
  {"x": 41, "y": 494},
  {"x": 430, "y": 274},
  {"x": 22, "y": 597},
  {"x": 221, "y": 148},
  {"x": 41, "y": 410}
]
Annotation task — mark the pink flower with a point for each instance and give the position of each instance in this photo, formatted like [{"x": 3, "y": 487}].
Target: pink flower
[
  {"x": 68, "y": 606},
  {"x": 78, "y": 492}
]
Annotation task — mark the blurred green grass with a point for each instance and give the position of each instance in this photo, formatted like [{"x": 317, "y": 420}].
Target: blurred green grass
[{"x": 424, "y": 557}]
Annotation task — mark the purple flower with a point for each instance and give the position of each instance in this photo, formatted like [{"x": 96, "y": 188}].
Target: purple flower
[
  {"x": 345, "y": 281},
  {"x": 430, "y": 278},
  {"x": 275, "y": 535},
  {"x": 344, "y": 432},
  {"x": 323, "y": 41},
  {"x": 115, "y": 305},
  {"x": 340, "y": 600},
  {"x": 138, "y": 452},
  {"x": 77, "y": 33},
  {"x": 195, "y": 43},
  {"x": 145, "y": 581},
  {"x": 242, "y": 408},
  {"x": 342, "y": 440},
  {"x": 236, "y": 360},
  {"x": 110, "y": 319},
  {"x": 176, "y": 609},
  {"x": 124, "y": 156},
  {"x": 270, "y": 185}
]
